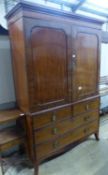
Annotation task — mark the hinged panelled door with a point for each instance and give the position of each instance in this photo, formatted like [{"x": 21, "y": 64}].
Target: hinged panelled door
[
  {"x": 85, "y": 63},
  {"x": 49, "y": 53}
]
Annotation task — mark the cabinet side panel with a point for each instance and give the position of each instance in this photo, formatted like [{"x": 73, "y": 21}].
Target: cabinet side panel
[{"x": 19, "y": 63}]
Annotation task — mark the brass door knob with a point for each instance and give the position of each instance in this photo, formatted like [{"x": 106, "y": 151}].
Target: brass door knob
[{"x": 73, "y": 55}]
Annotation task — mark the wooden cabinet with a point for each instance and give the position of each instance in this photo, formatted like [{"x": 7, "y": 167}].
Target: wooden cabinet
[{"x": 56, "y": 71}]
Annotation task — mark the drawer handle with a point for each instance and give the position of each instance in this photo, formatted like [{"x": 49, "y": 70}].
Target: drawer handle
[
  {"x": 86, "y": 130},
  {"x": 54, "y": 118},
  {"x": 87, "y": 107},
  {"x": 55, "y": 144},
  {"x": 55, "y": 130},
  {"x": 86, "y": 118}
]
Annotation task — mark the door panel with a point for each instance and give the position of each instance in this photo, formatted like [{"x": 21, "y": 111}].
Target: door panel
[
  {"x": 85, "y": 65},
  {"x": 49, "y": 53}
]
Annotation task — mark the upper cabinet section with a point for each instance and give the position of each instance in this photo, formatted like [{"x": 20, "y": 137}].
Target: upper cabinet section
[{"x": 55, "y": 56}]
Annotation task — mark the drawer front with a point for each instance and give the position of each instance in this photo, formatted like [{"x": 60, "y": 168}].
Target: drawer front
[
  {"x": 91, "y": 128},
  {"x": 85, "y": 107},
  {"x": 90, "y": 116},
  {"x": 43, "y": 150},
  {"x": 51, "y": 117},
  {"x": 58, "y": 129}
]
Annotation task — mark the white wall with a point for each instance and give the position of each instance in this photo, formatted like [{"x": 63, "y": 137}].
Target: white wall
[
  {"x": 104, "y": 60},
  {"x": 104, "y": 55},
  {"x": 7, "y": 93}
]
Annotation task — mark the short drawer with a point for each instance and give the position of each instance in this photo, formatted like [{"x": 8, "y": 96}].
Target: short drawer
[
  {"x": 91, "y": 128},
  {"x": 51, "y": 117},
  {"x": 85, "y": 107},
  {"x": 43, "y": 150},
  {"x": 90, "y": 116}
]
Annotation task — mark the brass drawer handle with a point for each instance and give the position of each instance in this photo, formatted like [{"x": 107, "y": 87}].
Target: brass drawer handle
[
  {"x": 86, "y": 118},
  {"x": 55, "y": 130},
  {"x": 55, "y": 144},
  {"x": 86, "y": 130},
  {"x": 54, "y": 118},
  {"x": 87, "y": 107}
]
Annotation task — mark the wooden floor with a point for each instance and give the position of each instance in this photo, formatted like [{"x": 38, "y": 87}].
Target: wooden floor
[{"x": 88, "y": 158}]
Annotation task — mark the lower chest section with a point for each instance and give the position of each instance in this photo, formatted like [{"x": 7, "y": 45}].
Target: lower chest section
[{"x": 54, "y": 130}]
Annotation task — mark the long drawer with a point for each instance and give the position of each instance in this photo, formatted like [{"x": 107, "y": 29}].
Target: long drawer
[
  {"x": 64, "y": 126},
  {"x": 43, "y": 150},
  {"x": 85, "y": 107},
  {"x": 51, "y": 117}
]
